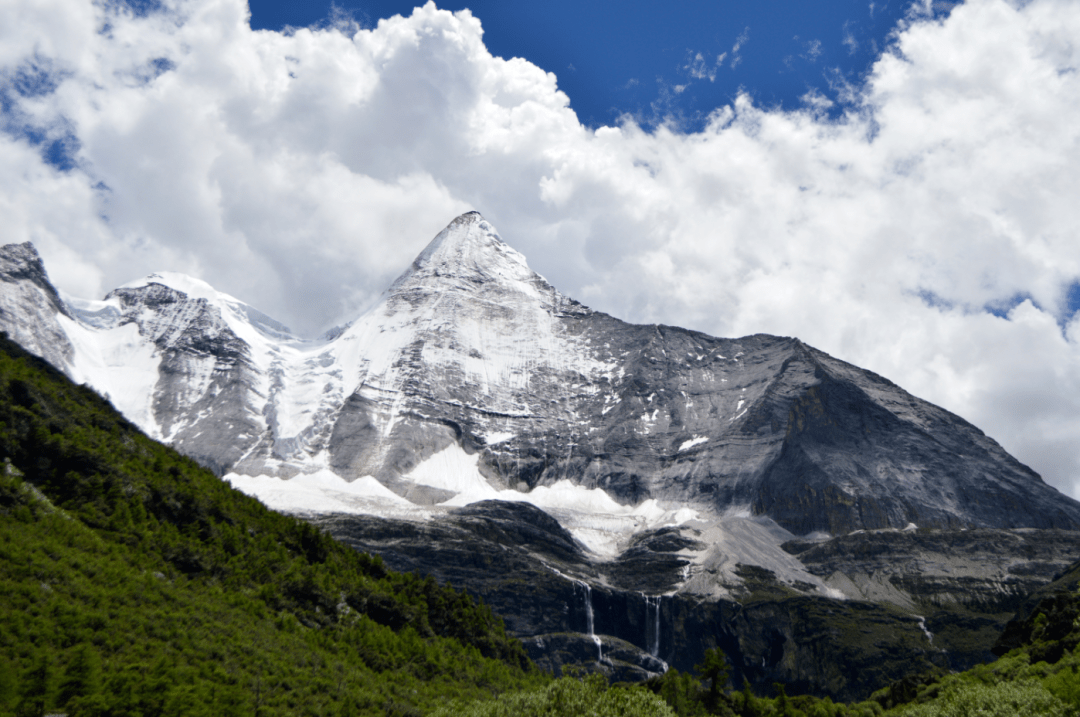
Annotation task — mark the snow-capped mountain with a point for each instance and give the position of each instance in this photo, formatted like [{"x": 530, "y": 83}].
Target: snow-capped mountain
[
  {"x": 674, "y": 463},
  {"x": 474, "y": 378}
]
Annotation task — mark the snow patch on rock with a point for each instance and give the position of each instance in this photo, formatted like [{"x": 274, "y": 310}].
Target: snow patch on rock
[
  {"x": 325, "y": 492},
  {"x": 120, "y": 365},
  {"x": 695, "y": 441}
]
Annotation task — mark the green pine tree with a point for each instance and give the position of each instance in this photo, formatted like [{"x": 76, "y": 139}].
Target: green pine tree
[
  {"x": 714, "y": 669},
  {"x": 82, "y": 676},
  {"x": 8, "y": 684},
  {"x": 36, "y": 686}
]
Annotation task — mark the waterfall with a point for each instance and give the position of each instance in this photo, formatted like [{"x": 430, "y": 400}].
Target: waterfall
[
  {"x": 588, "y": 609},
  {"x": 652, "y": 637},
  {"x": 926, "y": 631},
  {"x": 589, "y": 622}
]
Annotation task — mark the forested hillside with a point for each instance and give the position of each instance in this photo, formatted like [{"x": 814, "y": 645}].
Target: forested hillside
[{"x": 133, "y": 581}]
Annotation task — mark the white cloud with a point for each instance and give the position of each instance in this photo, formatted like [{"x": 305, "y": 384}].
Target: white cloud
[
  {"x": 849, "y": 40},
  {"x": 697, "y": 67},
  {"x": 741, "y": 40},
  {"x": 303, "y": 171}
]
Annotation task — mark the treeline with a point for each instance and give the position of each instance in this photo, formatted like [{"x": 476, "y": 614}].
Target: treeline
[{"x": 135, "y": 582}]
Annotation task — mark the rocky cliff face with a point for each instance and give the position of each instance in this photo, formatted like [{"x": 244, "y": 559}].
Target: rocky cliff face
[
  {"x": 30, "y": 307},
  {"x": 911, "y": 601},
  {"x": 592, "y": 479},
  {"x": 986, "y": 570}
]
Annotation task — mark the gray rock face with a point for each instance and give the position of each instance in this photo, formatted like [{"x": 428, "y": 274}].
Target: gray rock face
[
  {"x": 964, "y": 585},
  {"x": 814, "y": 443},
  {"x": 30, "y": 305},
  {"x": 200, "y": 401},
  {"x": 986, "y": 570}
]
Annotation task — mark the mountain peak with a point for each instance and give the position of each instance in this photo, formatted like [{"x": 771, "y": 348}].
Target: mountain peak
[
  {"x": 188, "y": 285},
  {"x": 231, "y": 308},
  {"x": 25, "y": 253},
  {"x": 469, "y": 252},
  {"x": 21, "y": 262}
]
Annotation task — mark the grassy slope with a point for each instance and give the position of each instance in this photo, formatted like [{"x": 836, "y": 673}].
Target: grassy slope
[{"x": 134, "y": 581}]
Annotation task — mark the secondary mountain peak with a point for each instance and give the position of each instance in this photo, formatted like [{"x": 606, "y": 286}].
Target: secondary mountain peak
[
  {"x": 189, "y": 285},
  {"x": 181, "y": 288},
  {"x": 22, "y": 263},
  {"x": 30, "y": 307}
]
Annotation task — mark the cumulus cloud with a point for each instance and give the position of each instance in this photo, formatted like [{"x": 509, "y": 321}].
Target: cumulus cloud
[{"x": 926, "y": 231}]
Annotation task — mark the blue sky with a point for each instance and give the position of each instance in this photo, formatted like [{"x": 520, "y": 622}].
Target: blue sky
[{"x": 657, "y": 59}]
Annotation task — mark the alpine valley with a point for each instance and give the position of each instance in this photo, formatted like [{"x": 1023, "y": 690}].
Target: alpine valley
[{"x": 625, "y": 496}]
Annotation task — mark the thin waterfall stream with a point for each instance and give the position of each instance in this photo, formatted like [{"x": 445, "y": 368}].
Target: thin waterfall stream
[
  {"x": 652, "y": 637},
  {"x": 589, "y": 621}
]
